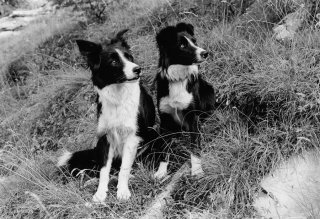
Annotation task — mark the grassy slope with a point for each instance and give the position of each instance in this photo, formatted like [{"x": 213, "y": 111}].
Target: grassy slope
[{"x": 273, "y": 113}]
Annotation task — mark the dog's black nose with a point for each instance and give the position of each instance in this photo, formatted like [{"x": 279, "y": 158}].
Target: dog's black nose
[
  {"x": 137, "y": 70},
  {"x": 204, "y": 54}
]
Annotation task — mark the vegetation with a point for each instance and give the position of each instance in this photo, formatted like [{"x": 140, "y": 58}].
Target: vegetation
[{"x": 268, "y": 109}]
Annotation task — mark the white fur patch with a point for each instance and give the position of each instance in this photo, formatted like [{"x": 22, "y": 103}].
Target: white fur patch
[
  {"x": 63, "y": 160},
  {"x": 128, "y": 66},
  {"x": 181, "y": 72},
  {"x": 119, "y": 113},
  {"x": 179, "y": 98},
  {"x": 162, "y": 170},
  {"x": 197, "y": 48},
  {"x": 293, "y": 189},
  {"x": 196, "y": 168}
]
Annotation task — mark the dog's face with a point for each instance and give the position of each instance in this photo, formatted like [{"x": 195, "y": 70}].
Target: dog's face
[
  {"x": 110, "y": 62},
  {"x": 178, "y": 45}
]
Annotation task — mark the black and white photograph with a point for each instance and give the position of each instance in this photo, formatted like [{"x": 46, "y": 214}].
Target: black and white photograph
[{"x": 160, "y": 109}]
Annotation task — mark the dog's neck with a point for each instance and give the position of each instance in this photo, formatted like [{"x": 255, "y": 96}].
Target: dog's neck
[
  {"x": 180, "y": 72},
  {"x": 116, "y": 94}
]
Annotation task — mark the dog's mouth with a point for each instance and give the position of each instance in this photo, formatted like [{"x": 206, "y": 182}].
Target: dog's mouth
[
  {"x": 133, "y": 79},
  {"x": 199, "y": 61},
  {"x": 201, "y": 56}
]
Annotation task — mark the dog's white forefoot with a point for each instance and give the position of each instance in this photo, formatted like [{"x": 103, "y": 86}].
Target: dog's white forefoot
[
  {"x": 101, "y": 194},
  {"x": 196, "y": 168},
  {"x": 99, "y": 197},
  {"x": 129, "y": 152},
  {"x": 123, "y": 192},
  {"x": 102, "y": 190},
  {"x": 162, "y": 170}
]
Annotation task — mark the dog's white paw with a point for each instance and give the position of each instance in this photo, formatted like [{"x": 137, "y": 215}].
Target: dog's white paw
[
  {"x": 197, "y": 171},
  {"x": 99, "y": 197},
  {"x": 162, "y": 171},
  {"x": 196, "y": 168},
  {"x": 159, "y": 175},
  {"x": 123, "y": 193}
]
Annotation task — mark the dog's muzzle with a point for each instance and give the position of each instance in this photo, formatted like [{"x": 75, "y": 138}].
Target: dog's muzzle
[{"x": 136, "y": 71}]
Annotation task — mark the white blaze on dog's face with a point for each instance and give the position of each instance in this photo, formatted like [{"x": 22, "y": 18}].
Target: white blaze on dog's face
[
  {"x": 200, "y": 53},
  {"x": 130, "y": 69}
]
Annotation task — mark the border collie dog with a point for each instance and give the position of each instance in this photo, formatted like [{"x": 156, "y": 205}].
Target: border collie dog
[
  {"x": 183, "y": 96},
  {"x": 125, "y": 111}
]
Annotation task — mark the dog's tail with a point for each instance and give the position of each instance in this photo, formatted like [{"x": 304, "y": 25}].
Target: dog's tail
[
  {"x": 90, "y": 160},
  {"x": 79, "y": 161}
]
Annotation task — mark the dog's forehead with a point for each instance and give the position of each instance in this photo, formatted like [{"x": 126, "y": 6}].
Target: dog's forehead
[
  {"x": 113, "y": 48},
  {"x": 185, "y": 34}
]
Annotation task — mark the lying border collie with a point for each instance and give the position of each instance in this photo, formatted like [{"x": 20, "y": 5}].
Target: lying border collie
[
  {"x": 125, "y": 111},
  {"x": 183, "y": 97}
]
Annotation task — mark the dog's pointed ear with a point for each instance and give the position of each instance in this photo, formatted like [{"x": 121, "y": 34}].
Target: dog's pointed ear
[
  {"x": 120, "y": 34},
  {"x": 87, "y": 48},
  {"x": 91, "y": 51},
  {"x": 120, "y": 38},
  {"x": 185, "y": 27}
]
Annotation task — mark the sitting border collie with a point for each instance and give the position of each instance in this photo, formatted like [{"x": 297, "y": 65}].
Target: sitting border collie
[
  {"x": 125, "y": 111},
  {"x": 183, "y": 96}
]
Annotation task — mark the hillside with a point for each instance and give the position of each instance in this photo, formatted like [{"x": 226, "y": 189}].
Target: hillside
[{"x": 267, "y": 110}]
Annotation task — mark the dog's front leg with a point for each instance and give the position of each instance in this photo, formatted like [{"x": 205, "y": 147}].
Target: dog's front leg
[
  {"x": 102, "y": 190},
  {"x": 128, "y": 155}
]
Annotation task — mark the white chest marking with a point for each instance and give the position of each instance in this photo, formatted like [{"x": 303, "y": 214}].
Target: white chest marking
[
  {"x": 181, "y": 72},
  {"x": 178, "y": 98},
  {"x": 119, "y": 113}
]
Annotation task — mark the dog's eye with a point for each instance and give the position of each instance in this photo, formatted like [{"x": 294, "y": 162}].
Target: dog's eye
[
  {"x": 113, "y": 62},
  {"x": 182, "y": 46}
]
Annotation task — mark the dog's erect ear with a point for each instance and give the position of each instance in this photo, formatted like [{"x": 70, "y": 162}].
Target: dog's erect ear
[
  {"x": 185, "y": 27},
  {"x": 121, "y": 33},
  {"x": 167, "y": 38},
  {"x": 120, "y": 38},
  {"x": 87, "y": 48},
  {"x": 91, "y": 51}
]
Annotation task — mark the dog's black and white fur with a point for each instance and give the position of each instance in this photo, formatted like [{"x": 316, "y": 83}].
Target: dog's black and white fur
[
  {"x": 183, "y": 96},
  {"x": 125, "y": 111}
]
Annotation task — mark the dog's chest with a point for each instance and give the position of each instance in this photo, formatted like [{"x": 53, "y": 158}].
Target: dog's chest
[
  {"x": 119, "y": 111},
  {"x": 178, "y": 98}
]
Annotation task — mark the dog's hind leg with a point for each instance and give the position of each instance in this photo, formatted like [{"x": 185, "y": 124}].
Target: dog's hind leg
[
  {"x": 163, "y": 144},
  {"x": 196, "y": 168},
  {"x": 128, "y": 155}
]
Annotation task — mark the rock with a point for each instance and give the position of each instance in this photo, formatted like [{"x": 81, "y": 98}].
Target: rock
[
  {"x": 8, "y": 34},
  {"x": 292, "y": 190},
  {"x": 262, "y": 15},
  {"x": 317, "y": 25},
  {"x": 13, "y": 24},
  {"x": 18, "y": 19},
  {"x": 290, "y": 24},
  {"x": 27, "y": 13}
]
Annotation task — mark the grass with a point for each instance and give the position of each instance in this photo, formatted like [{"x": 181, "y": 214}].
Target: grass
[
  {"x": 30, "y": 38},
  {"x": 268, "y": 111}
]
